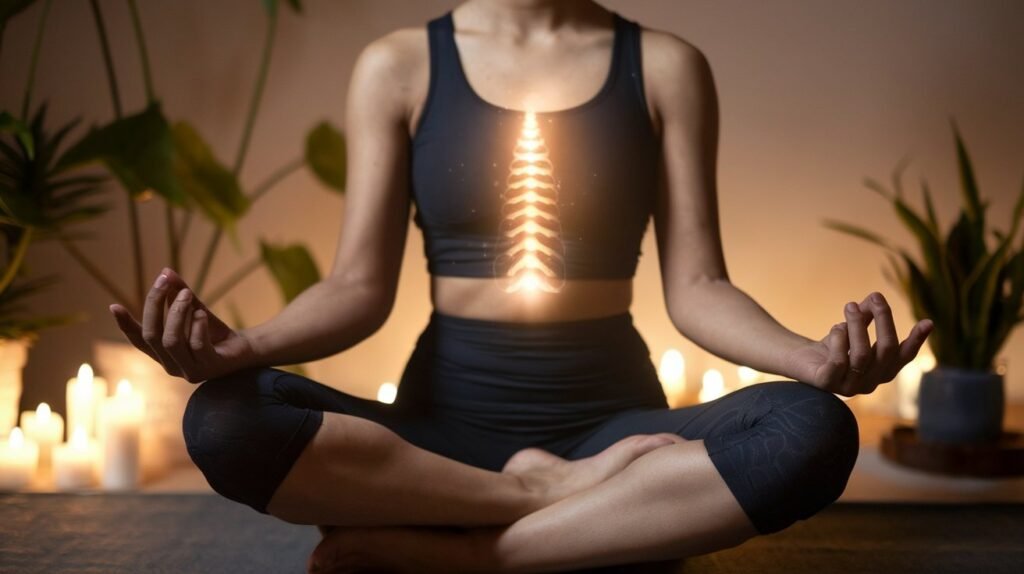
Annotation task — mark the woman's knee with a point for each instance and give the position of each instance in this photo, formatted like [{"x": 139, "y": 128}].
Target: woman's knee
[
  {"x": 242, "y": 436},
  {"x": 817, "y": 438}
]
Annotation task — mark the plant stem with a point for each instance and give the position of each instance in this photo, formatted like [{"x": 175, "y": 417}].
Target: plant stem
[
  {"x": 133, "y": 212},
  {"x": 107, "y": 59},
  {"x": 275, "y": 177},
  {"x": 133, "y": 219},
  {"x": 257, "y": 93},
  {"x": 233, "y": 280},
  {"x": 16, "y": 259},
  {"x": 98, "y": 275},
  {"x": 254, "y": 104},
  {"x": 143, "y": 54},
  {"x": 35, "y": 59},
  {"x": 172, "y": 238}
]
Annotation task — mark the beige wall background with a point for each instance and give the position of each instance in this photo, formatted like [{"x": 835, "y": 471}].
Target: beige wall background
[{"x": 814, "y": 96}]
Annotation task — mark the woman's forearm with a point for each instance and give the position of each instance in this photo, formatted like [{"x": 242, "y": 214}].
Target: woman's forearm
[
  {"x": 327, "y": 318},
  {"x": 723, "y": 320}
]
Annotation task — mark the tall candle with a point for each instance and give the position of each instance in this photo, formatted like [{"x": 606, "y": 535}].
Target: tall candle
[
  {"x": 74, "y": 462},
  {"x": 672, "y": 374},
  {"x": 18, "y": 460},
  {"x": 120, "y": 424},
  {"x": 748, "y": 376},
  {"x": 712, "y": 386},
  {"x": 84, "y": 395},
  {"x": 45, "y": 428}
]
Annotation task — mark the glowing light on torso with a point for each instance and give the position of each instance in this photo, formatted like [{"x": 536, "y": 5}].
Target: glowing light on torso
[{"x": 533, "y": 259}]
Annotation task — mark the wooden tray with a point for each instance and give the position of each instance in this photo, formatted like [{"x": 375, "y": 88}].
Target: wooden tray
[{"x": 1002, "y": 458}]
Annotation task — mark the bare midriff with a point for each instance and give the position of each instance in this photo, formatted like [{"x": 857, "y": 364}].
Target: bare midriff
[{"x": 485, "y": 298}]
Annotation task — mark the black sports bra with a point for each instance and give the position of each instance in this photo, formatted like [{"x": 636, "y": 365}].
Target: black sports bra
[{"x": 534, "y": 198}]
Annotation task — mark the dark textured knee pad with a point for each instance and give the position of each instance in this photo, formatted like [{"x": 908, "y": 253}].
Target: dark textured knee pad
[
  {"x": 795, "y": 460},
  {"x": 243, "y": 436}
]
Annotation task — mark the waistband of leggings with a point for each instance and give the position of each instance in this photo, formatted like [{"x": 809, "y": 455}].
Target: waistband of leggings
[{"x": 618, "y": 320}]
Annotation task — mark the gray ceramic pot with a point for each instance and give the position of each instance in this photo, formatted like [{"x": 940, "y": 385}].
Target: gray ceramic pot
[{"x": 960, "y": 405}]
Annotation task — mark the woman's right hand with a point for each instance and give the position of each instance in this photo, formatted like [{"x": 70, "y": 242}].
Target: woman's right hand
[{"x": 191, "y": 342}]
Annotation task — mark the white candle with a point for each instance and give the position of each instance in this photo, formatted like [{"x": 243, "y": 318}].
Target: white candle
[
  {"x": 84, "y": 395},
  {"x": 74, "y": 462},
  {"x": 908, "y": 381},
  {"x": 120, "y": 423},
  {"x": 748, "y": 376},
  {"x": 19, "y": 458},
  {"x": 712, "y": 386},
  {"x": 672, "y": 374},
  {"x": 387, "y": 392},
  {"x": 45, "y": 428}
]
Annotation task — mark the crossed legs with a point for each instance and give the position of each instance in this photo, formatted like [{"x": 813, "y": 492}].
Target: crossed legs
[{"x": 646, "y": 485}]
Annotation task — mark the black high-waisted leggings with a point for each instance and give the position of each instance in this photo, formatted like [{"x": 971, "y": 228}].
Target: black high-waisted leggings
[{"x": 477, "y": 391}]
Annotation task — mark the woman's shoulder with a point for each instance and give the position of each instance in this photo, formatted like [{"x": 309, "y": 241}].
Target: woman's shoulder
[{"x": 674, "y": 69}]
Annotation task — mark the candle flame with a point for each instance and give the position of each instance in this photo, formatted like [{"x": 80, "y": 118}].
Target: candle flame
[
  {"x": 43, "y": 413},
  {"x": 387, "y": 393},
  {"x": 124, "y": 388},
  {"x": 712, "y": 385},
  {"x": 17, "y": 438},
  {"x": 85, "y": 375},
  {"x": 533, "y": 260}
]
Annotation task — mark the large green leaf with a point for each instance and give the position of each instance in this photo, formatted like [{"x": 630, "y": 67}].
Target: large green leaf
[
  {"x": 213, "y": 187},
  {"x": 292, "y": 267},
  {"x": 325, "y": 155},
  {"x": 137, "y": 149}
]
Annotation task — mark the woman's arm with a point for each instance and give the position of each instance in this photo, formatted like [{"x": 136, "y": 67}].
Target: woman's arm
[
  {"x": 702, "y": 302},
  {"x": 356, "y": 298}
]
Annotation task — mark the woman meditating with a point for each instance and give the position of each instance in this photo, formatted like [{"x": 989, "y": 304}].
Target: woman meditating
[{"x": 535, "y": 139}]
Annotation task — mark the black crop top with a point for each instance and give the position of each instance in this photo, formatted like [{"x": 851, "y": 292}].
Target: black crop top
[{"x": 534, "y": 199}]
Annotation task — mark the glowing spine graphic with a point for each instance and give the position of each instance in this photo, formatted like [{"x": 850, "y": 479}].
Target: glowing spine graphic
[{"x": 533, "y": 256}]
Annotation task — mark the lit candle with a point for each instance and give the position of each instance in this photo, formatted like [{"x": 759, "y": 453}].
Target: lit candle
[
  {"x": 19, "y": 458},
  {"x": 748, "y": 376},
  {"x": 120, "y": 422},
  {"x": 387, "y": 393},
  {"x": 712, "y": 386},
  {"x": 908, "y": 381},
  {"x": 84, "y": 394},
  {"x": 672, "y": 374},
  {"x": 45, "y": 428},
  {"x": 74, "y": 462}
]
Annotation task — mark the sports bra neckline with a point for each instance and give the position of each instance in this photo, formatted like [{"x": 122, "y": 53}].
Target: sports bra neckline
[{"x": 605, "y": 89}]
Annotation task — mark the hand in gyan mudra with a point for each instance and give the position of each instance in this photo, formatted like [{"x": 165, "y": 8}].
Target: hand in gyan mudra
[
  {"x": 846, "y": 363},
  {"x": 179, "y": 332}
]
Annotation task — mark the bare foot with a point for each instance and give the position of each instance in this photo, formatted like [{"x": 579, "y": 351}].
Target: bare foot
[{"x": 555, "y": 478}]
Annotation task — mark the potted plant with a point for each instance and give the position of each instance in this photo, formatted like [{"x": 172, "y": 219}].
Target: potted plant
[
  {"x": 36, "y": 203},
  {"x": 972, "y": 292},
  {"x": 156, "y": 159}
]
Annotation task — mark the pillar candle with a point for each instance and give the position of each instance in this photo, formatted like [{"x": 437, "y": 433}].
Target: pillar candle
[
  {"x": 18, "y": 460},
  {"x": 672, "y": 374},
  {"x": 84, "y": 396},
  {"x": 712, "y": 385},
  {"x": 74, "y": 462},
  {"x": 45, "y": 428},
  {"x": 120, "y": 424}
]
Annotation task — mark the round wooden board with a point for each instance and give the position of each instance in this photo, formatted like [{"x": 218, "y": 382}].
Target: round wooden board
[{"x": 1002, "y": 458}]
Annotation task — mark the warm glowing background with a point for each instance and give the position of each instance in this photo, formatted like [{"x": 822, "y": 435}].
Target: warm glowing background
[{"x": 814, "y": 96}]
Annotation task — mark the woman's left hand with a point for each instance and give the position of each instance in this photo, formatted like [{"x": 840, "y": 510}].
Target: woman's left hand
[{"x": 844, "y": 361}]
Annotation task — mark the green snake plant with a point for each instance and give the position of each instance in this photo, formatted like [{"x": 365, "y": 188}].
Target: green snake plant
[{"x": 971, "y": 292}]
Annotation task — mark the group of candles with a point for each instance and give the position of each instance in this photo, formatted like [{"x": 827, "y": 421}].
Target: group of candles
[
  {"x": 672, "y": 374},
  {"x": 103, "y": 439}
]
